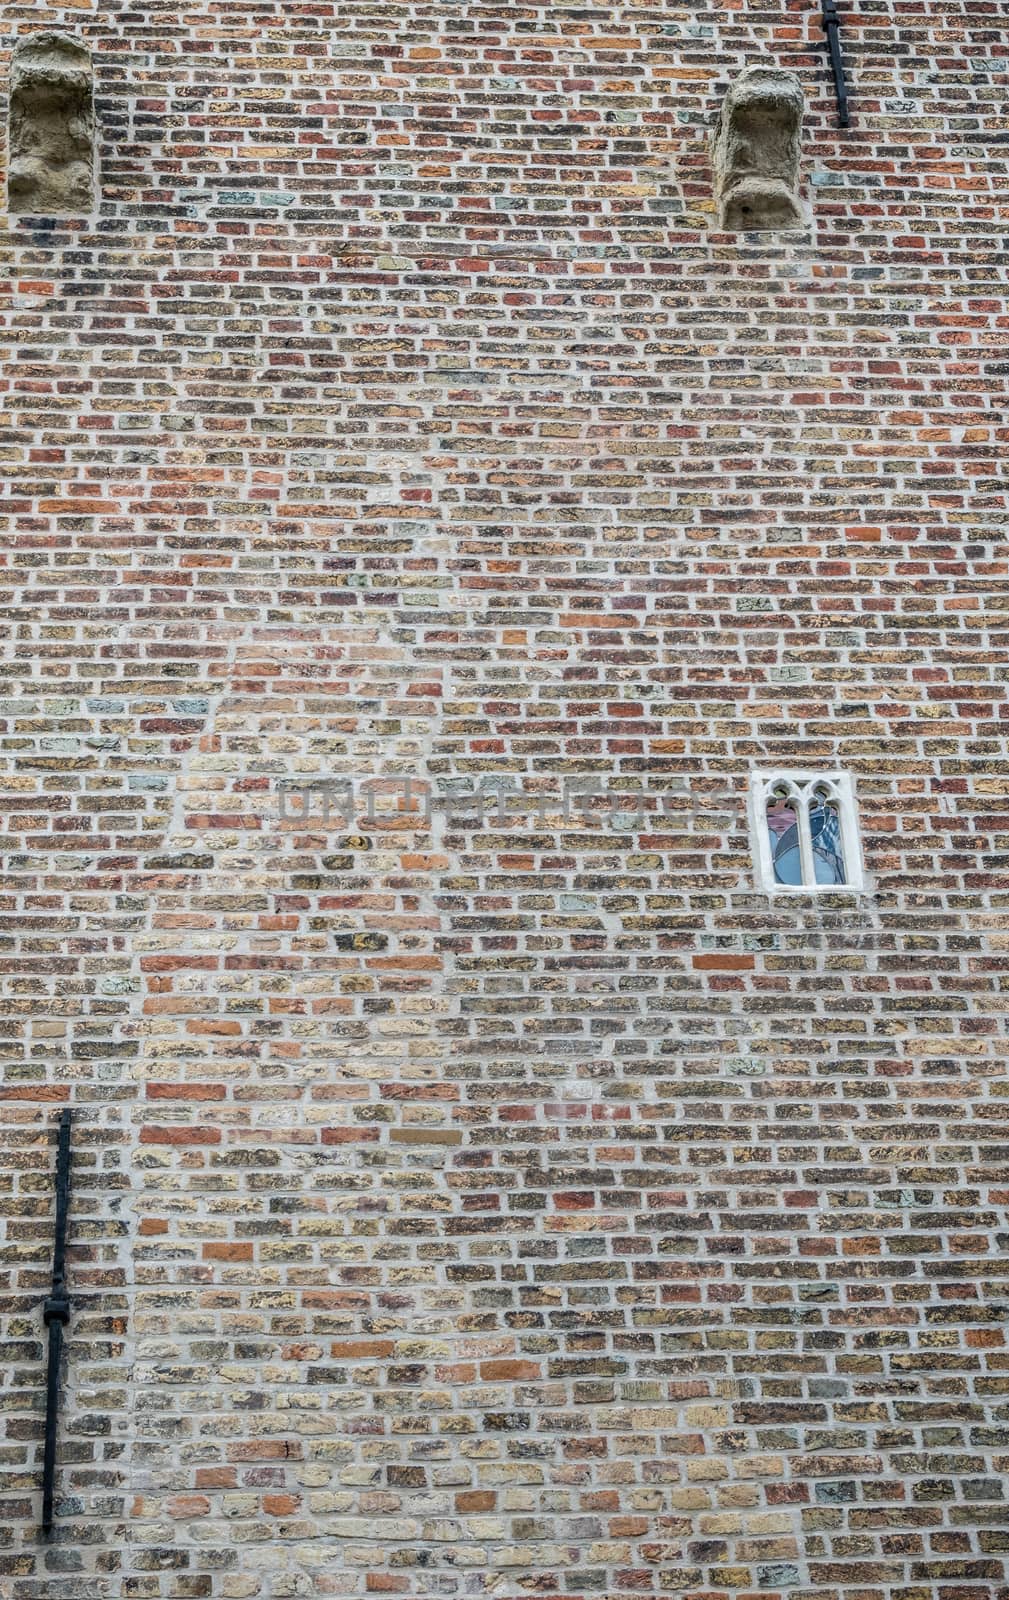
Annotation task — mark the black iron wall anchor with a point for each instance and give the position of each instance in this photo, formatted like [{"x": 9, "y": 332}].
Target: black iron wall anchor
[
  {"x": 56, "y": 1315},
  {"x": 831, "y": 25}
]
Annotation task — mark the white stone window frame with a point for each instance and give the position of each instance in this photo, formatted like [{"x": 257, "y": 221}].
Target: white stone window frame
[{"x": 801, "y": 785}]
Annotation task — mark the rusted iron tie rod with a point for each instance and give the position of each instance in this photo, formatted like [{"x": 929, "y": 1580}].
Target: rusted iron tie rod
[
  {"x": 831, "y": 24},
  {"x": 56, "y": 1315}
]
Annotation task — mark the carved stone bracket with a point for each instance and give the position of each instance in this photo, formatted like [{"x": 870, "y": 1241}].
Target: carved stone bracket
[
  {"x": 52, "y": 126},
  {"x": 756, "y": 152}
]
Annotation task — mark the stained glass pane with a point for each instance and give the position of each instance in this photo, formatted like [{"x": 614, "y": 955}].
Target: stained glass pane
[
  {"x": 825, "y": 833},
  {"x": 828, "y": 856},
  {"x": 783, "y": 831}
]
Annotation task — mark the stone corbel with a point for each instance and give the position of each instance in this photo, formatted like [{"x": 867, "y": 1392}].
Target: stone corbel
[
  {"x": 756, "y": 152},
  {"x": 52, "y": 127}
]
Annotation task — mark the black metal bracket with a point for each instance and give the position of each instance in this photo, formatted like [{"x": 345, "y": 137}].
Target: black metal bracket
[
  {"x": 56, "y": 1315},
  {"x": 831, "y": 26}
]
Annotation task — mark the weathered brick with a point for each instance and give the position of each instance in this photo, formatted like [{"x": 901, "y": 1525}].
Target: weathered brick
[{"x": 520, "y": 1205}]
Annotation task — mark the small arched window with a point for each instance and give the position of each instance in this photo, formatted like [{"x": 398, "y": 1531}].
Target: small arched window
[{"x": 805, "y": 831}]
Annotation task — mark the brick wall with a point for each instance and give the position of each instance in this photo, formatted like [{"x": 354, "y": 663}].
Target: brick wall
[{"x": 525, "y": 1209}]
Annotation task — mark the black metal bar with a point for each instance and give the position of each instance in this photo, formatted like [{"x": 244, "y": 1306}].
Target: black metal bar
[
  {"x": 56, "y": 1315},
  {"x": 831, "y": 24}
]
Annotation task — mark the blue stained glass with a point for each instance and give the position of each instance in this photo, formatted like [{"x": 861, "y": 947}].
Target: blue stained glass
[
  {"x": 825, "y": 833},
  {"x": 828, "y": 858}
]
